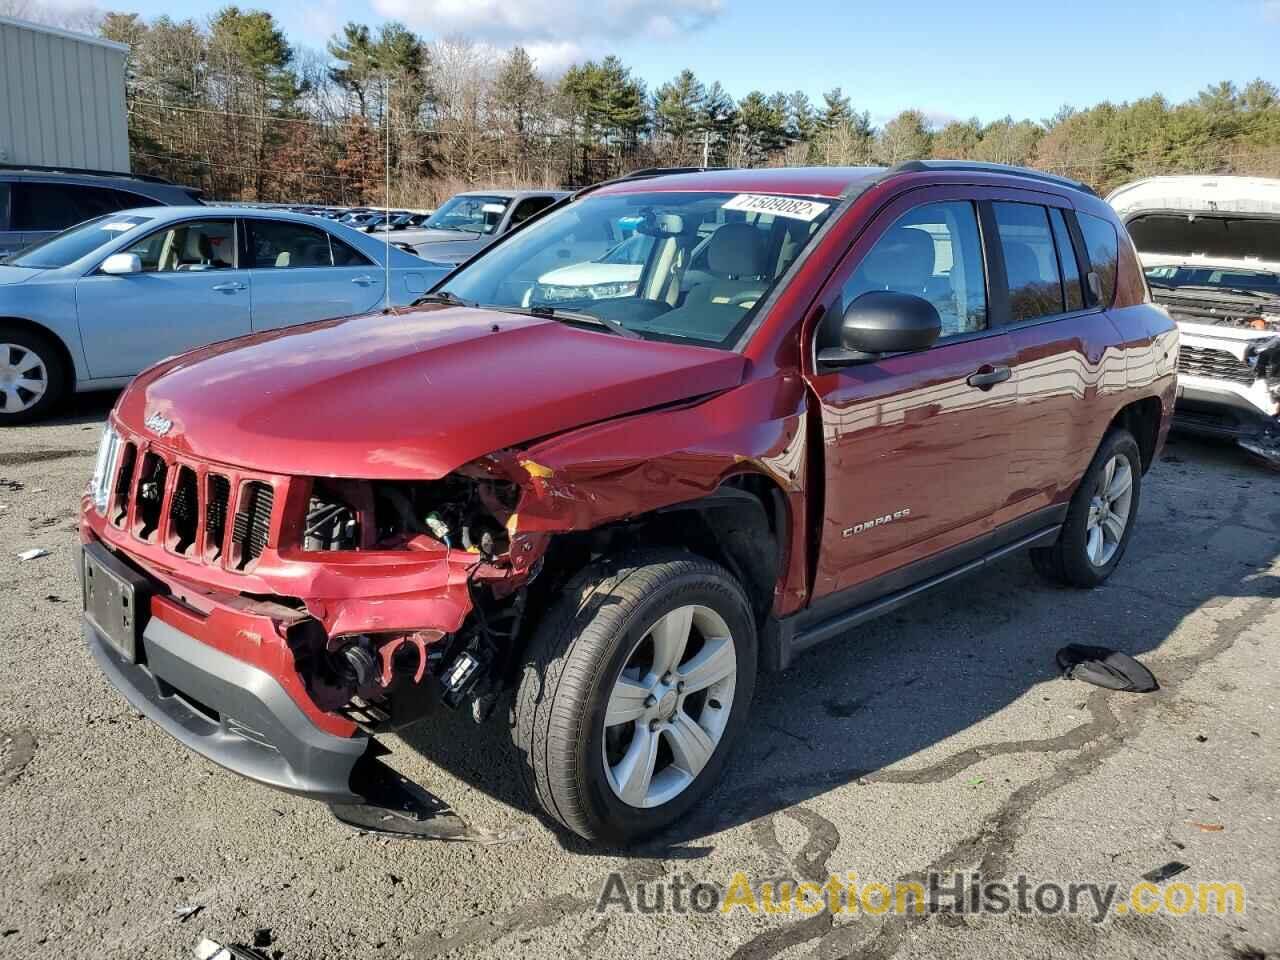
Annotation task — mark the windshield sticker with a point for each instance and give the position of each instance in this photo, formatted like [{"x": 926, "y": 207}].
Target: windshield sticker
[
  {"x": 792, "y": 207},
  {"x": 119, "y": 225}
]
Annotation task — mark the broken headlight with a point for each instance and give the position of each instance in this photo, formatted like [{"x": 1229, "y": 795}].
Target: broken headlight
[{"x": 1264, "y": 357}]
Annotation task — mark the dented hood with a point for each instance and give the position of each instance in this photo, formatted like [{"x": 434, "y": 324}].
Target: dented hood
[{"x": 407, "y": 396}]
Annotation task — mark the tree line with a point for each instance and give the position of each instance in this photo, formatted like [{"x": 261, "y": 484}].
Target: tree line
[{"x": 232, "y": 106}]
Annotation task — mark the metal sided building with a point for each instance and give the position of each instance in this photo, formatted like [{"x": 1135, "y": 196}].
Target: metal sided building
[{"x": 61, "y": 99}]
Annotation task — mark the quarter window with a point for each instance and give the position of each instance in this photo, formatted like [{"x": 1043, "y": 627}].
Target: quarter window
[
  {"x": 279, "y": 244},
  {"x": 934, "y": 252},
  {"x": 196, "y": 245},
  {"x": 1101, "y": 242},
  {"x": 1067, "y": 260},
  {"x": 1030, "y": 260}
]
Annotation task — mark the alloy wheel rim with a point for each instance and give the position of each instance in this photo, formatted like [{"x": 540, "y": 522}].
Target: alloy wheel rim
[
  {"x": 1109, "y": 511},
  {"x": 669, "y": 706},
  {"x": 23, "y": 378}
]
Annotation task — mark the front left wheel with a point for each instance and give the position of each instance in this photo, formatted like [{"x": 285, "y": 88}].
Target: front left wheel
[
  {"x": 33, "y": 377},
  {"x": 635, "y": 688}
]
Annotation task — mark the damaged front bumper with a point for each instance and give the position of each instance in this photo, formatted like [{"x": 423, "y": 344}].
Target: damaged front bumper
[
  {"x": 224, "y": 708},
  {"x": 1228, "y": 390}
]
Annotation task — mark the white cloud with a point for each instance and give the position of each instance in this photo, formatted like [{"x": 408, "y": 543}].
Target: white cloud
[
  {"x": 555, "y": 32},
  {"x": 555, "y": 57}
]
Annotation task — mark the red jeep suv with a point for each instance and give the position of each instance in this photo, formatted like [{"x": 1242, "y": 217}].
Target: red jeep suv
[{"x": 676, "y": 429}]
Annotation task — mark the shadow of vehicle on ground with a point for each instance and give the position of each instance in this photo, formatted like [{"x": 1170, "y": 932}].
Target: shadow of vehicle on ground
[{"x": 857, "y": 707}]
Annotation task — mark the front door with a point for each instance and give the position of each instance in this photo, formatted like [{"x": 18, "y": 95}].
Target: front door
[
  {"x": 915, "y": 445},
  {"x": 191, "y": 291}
]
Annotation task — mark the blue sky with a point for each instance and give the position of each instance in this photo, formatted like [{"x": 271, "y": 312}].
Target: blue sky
[{"x": 947, "y": 58}]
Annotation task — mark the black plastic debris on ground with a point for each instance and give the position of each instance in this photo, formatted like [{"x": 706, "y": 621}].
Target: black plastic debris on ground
[
  {"x": 1105, "y": 667},
  {"x": 1161, "y": 874}
]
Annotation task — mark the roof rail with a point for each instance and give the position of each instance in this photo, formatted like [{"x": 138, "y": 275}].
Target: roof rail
[
  {"x": 36, "y": 168},
  {"x": 979, "y": 166},
  {"x": 647, "y": 172}
]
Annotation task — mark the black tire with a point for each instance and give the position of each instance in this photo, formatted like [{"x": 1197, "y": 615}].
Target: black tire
[
  {"x": 1068, "y": 560},
  {"x": 573, "y": 661},
  {"x": 57, "y": 377}
]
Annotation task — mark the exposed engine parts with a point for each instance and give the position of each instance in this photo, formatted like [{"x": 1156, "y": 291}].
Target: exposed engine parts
[
  {"x": 462, "y": 512},
  {"x": 1264, "y": 357}
]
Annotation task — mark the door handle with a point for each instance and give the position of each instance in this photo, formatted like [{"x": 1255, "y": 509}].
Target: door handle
[
  {"x": 229, "y": 286},
  {"x": 364, "y": 280},
  {"x": 987, "y": 376}
]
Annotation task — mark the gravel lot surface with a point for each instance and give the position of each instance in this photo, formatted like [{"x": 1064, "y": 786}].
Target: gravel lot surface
[{"x": 941, "y": 737}]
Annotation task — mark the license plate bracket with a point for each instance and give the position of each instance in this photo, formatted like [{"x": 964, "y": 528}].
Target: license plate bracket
[{"x": 117, "y": 600}]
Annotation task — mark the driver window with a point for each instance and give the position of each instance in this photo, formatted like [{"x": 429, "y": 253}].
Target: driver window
[
  {"x": 934, "y": 252},
  {"x": 198, "y": 245}
]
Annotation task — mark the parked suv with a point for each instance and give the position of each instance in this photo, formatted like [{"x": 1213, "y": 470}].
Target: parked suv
[
  {"x": 624, "y": 507},
  {"x": 1210, "y": 247},
  {"x": 37, "y": 202},
  {"x": 467, "y": 223}
]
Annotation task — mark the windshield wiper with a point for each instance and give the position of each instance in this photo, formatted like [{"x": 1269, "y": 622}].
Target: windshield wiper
[
  {"x": 445, "y": 297},
  {"x": 569, "y": 316}
]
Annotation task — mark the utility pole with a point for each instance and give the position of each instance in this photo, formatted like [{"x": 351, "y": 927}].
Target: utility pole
[{"x": 386, "y": 120}]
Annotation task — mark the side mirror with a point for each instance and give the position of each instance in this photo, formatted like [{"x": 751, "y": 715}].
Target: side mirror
[
  {"x": 882, "y": 322},
  {"x": 119, "y": 264}
]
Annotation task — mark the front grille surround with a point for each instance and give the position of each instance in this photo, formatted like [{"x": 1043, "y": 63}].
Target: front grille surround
[
  {"x": 205, "y": 514},
  {"x": 1215, "y": 364}
]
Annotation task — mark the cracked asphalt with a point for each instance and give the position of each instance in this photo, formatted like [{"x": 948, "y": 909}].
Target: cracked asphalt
[{"x": 939, "y": 738}]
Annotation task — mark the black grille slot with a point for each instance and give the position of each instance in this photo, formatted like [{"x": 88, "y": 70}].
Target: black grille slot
[
  {"x": 217, "y": 493},
  {"x": 150, "y": 495},
  {"x": 184, "y": 511},
  {"x": 252, "y": 527},
  {"x": 1218, "y": 364},
  {"x": 124, "y": 484}
]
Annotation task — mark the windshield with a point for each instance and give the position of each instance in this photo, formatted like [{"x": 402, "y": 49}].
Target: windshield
[
  {"x": 1229, "y": 278},
  {"x": 687, "y": 267},
  {"x": 73, "y": 243},
  {"x": 469, "y": 213}
]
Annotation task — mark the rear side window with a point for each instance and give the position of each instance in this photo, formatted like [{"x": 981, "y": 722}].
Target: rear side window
[
  {"x": 1102, "y": 244},
  {"x": 1030, "y": 260},
  {"x": 1071, "y": 287},
  {"x": 934, "y": 252},
  {"x": 280, "y": 244},
  {"x": 56, "y": 206}
]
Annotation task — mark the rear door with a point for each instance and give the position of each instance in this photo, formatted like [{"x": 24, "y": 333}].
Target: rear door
[
  {"x": 1059, "y": 340},
  {"x": 192, "y": 290},
  {"x": 303, "y": 273},
  {"x": 915, "y": 446}
]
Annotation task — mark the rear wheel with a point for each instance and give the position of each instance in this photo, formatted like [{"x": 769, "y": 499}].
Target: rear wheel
[
  {"x": 33, "y": 377},
  {"x": 636, "y": 686},
  {"x": 1100, "y": 518}
]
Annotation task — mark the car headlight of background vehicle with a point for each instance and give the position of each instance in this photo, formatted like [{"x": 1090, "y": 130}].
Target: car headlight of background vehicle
[
  {"x": 549, "y": 293},
  {"x": 105, "y": 468}
]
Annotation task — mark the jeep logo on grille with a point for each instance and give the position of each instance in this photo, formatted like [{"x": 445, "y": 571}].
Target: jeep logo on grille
[{"x": 158, "y": 424}]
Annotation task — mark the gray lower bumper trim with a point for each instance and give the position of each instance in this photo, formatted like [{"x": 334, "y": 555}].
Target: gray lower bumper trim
[{"x": 259, "y": 732}]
